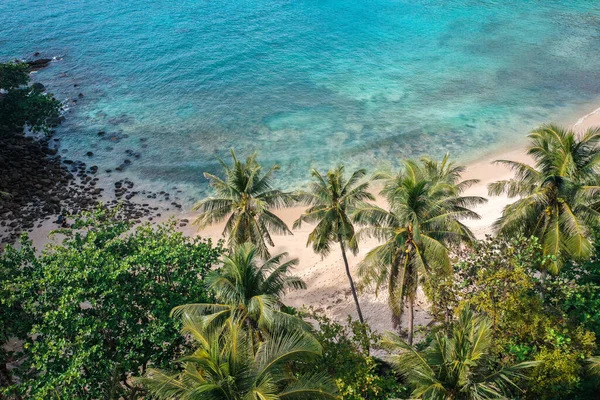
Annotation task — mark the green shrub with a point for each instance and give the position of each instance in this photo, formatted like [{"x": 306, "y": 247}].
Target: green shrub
[
  {"x": 346, "y": 358},
  {"x": 499, "y": 277},
  {"x": 98, "y": 303}
]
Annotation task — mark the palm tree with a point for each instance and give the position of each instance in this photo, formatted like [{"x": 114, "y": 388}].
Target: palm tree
[
  {"x": 455, "y": 366},
  {"x": 245, "y": 197},
  {"x": 225, "y": 366},
  {"x": 594, "y": 365},
  {"x": 558, "y": 196},
  {"x": 425, "y": 205},
  {"x": 331, "y": 199},
  {"x": 249, "y": 292}
]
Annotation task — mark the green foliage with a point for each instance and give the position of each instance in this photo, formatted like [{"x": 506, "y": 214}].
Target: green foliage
[
  {"x": 425, "y": 205},
  {"x": 250, "y": 292},
  {"x": 16, "y": 269},
  {"x": 22, "y": 104},
  {"x": 558, "y": 376},
  {"x": 99, "y": 302},
  {"x": 594, "y": 365},
  {"x": 346, "y": 358},
  {"x": 226, "y": 366},
  {"x": 558, "y": 196},
  {"x": 576, "y": 291},
  {"x": 497, "y": 277},
  {"x": 459, "y": 365},
  {"x": 331, "y": 200},
  {"x": 245, "y": 197}
]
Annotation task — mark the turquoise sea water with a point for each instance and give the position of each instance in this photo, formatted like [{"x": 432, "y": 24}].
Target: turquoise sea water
[{"x": 304, "y": 82}]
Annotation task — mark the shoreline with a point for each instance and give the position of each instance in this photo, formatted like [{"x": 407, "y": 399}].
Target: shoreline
[
  {"x": 325, "y": 277},
  {"x": 328, "y": 290}
]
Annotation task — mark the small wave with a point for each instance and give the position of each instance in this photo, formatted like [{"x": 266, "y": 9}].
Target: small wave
[{"x": 582, "y": 119}]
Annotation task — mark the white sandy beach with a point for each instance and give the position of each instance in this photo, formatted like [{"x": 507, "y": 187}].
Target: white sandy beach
[{"x": 328, "y": 289}]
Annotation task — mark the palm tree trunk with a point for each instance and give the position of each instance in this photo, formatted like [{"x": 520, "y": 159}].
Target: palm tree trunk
[
  {"x": 411, "y": 318},
  {"x": 543, "y": 276},
  {"x": 392, "y": 290},
  {"x": 352, "y": 288}
]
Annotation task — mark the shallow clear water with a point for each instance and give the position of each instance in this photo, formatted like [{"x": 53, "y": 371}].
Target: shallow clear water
[{"x": 304, "y": 82}]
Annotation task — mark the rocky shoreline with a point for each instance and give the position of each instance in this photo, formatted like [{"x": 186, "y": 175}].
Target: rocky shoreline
[{"x": 37, "y": 184}]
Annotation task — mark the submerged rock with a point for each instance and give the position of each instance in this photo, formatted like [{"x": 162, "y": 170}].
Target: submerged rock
[
  {"x": 39, "y": 64},
  {"x": 39, "y": 87}
]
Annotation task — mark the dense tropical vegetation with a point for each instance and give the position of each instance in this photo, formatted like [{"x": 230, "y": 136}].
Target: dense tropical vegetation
[
  {"x": 226, "y": 365},
  {"x": 93, "y": 309},
  {"x": 250, "y": 293},
  {"x": 115, "y": 311},
  {"x": 456, "y": 365}
]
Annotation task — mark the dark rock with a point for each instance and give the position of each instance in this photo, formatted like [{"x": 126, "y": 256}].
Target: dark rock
[
  {"x": 39, "y": 64},
  {"x": 89, "y": 154},
  {"x": 39, "y": 87}
]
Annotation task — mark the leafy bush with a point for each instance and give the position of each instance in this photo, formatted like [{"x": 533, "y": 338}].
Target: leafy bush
[
  {"x": 499, "y": 277},
  {"x": 346, "y": 358},
  {"x": 576, "y": 291},
  {"x": 22, "y": 104},
  {"x": 98, "y": 304}
]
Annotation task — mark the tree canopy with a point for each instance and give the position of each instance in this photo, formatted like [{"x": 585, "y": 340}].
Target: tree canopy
[
  {"x": 23, "y": 104},
  {"x": 249, "y": 291},
  {"x": 225, "y": 366},
  {"x": 557, "y": 196},
  {"x": 426, "y": 206},
  {"x": 245, "y": 197},
  {"x": 97, "y": 304}
]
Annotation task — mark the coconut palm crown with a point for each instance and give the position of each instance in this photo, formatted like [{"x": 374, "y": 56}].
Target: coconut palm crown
[
  {"x": 456, "y": 366},
  {"x": 331, "y": 200},
  {"x": 225, "y": 366},
  {"x": 249, "y": 291},
  {"x": 558, "y": 196},
  {"x": 245, "y": 197},
  {"x": 425, "y": 208}
]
